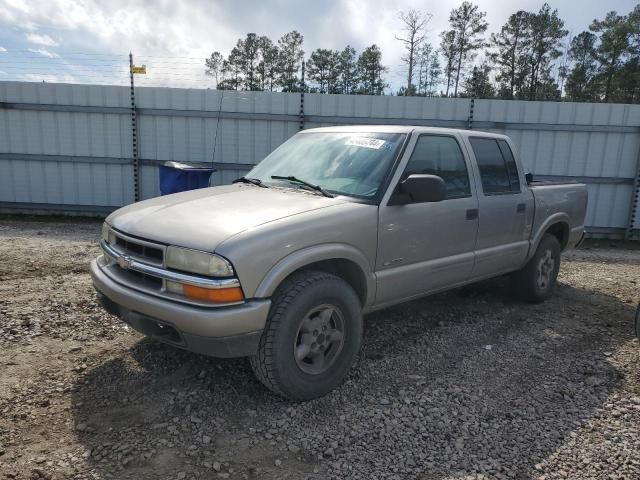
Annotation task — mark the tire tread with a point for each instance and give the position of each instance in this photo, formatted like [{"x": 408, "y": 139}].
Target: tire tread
[
  {"x": 262, "y": 362},
  {"x": 524, "y": 283}
]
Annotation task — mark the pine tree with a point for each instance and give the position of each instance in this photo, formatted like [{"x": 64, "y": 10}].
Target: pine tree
[
  {"x": 509, "y": 46},
  {"x": 469, "y": 24},
  {"x": 291, "y": 54},
  {"x": 322, "y": 68},
  {"x": 213, "y": 66},
  {"x": 479, "y": 85},
  {"x": 414, "y": 25},
  {"x": 429, "y": 70},
  {"x": 333, "y": 73},
  {"x": 250, "y": 50},
  {"x": 267, "y": 68},
  {"x": 579, "y": 87},
  {"x": 615, "y": 35},
  {"x": 347, "y": 70},
  {"x": 371, "y": 70},
  {"x": 234, "y": 64},
  {"x": 448, "y": 48},
  {"x": 434, "y": 78},
  {"x": 545, "y": 32}
]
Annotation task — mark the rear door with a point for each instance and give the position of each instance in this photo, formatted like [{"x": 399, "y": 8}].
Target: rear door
[
  {"x": 505, "y": 209},
  {"x": 424, "y": 247}
]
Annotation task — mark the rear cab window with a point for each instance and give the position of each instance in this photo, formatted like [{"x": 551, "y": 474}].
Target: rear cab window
[
  {"x": 497, "y": 165},
  {"x": 512, "y": 168}
]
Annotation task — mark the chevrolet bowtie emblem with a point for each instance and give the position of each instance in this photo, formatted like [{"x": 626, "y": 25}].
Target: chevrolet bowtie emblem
[{"x": 124, "y": 262}]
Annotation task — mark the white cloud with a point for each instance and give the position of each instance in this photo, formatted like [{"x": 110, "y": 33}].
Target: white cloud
[
  {"x": 195, "y": 28},
  {"x": 161, "y": 27},
  {"x": 38, "y": 39},
  {"x": 51, "y": 78},
  {"x": 2, "y": 49},
  {"x": 44, "y": 53}
]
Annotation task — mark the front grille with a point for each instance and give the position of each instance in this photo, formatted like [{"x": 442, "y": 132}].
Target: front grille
[
  {"x": 139, "y": 250},
  {"x": 134, "y": 279},
  {"x": 148, "y": 280},
  {"x": 143, "y": 251}
]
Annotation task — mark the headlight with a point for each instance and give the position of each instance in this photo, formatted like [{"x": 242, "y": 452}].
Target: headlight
[
  {"x": 195, "y": 261},
  {"x": 107, "y": 234}
]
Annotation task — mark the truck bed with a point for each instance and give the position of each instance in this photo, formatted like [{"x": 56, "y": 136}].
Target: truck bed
[{"x": 560, "y": 200}]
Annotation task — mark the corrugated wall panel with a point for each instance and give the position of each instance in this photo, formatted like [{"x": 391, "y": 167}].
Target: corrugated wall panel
[
  {"x": 385, "y": 107},
  {"x": 561, "y": 149},
  {"x": 224, "y": 177},
  {"x": 547, "y": 136},
  {"x": 589, "y": 145},
  {"x": 608, "y": 205},
  {"x": 71, "y": 183},
  {"x": 65, "y": 134},
  {"x": 191, "y": 138},
  {"x": 65, "y": 94},
  {"x": 149, "y": 179}
]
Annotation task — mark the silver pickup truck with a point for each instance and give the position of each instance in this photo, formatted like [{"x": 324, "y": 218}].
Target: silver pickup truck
[{"x": 281, "y": 265}]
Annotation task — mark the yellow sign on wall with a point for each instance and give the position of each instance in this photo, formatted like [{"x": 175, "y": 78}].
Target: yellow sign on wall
[{"x": 140, "y": 69}]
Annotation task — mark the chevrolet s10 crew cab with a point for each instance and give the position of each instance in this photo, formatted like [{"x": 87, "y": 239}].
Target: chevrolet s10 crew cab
[{"x": 281, "y": 265}]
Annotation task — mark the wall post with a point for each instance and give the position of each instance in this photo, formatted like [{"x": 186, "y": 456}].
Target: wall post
[
  {"x": 302, "y": 89},
  {"x": 134, "y": 135},
  {"x": 472, "y": 105},
  {"x": 635, "y": 203}
]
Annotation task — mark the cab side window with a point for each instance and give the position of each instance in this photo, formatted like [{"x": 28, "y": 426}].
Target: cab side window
[
  {"x": 512, "y": 169},
  {"x": 497, "y": 166},
  {"x": 441, "y": 155}
]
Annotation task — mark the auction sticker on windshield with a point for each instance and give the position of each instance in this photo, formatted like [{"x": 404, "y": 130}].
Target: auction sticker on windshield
[{"x": 366, "y": 142}]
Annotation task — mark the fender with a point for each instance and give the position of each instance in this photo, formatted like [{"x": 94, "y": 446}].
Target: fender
[
  {"x": 317, "y": 253},
  {"x": 560, "y": 217}
]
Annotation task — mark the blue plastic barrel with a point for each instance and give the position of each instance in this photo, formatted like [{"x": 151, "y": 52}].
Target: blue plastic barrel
[{"x": 179, "y": 177}]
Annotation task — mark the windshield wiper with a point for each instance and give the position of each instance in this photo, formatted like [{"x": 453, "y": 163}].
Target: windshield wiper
[
  {"x": 252, "y": 181},
  {"x": 291, "y": 178}
]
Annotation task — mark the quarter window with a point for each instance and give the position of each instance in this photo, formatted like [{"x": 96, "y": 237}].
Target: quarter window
[
  {"x": 441, "y": 155},
  {"x": 512, "y": 169},
  {"x": 497, "y": 166}
]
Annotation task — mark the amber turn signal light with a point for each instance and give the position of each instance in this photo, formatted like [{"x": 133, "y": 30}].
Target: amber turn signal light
[{"x": 217, "y": 295}]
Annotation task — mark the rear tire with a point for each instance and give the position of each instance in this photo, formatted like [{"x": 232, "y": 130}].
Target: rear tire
[
  {"x": 535, "y": 282},
  {"x": 312, "y": 336}
]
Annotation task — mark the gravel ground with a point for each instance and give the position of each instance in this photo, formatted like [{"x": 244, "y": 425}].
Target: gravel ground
[{"x": 465, "y": 385}]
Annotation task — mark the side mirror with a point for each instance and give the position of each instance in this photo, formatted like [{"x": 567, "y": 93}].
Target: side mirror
[
  {"x": 424, "y": 188},
  {"x": 529, "y": 178}
]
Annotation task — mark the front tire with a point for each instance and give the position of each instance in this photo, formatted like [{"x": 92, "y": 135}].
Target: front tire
[
  {"x": 535, "y": 282},
  {"x": 312, "y": 336}
]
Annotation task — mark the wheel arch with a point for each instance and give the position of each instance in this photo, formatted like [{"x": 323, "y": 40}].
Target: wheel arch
[
  {"x": 341, "y": 260},
  {"x": 561, "y": 231},
  {"x": 556, "y": 225}
]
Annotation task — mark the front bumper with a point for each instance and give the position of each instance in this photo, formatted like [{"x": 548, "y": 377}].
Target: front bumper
[{"x": 216, "y": 331}]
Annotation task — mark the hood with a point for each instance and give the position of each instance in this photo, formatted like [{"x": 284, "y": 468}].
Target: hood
[{"x": 203, "y": 218}]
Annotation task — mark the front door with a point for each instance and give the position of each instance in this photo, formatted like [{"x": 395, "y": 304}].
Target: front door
[{"x": 425, "y": 247}]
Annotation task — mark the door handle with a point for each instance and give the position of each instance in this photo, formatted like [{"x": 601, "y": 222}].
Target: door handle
[
  {"x": 521, "y": 208},
  {"x": 472, "y": 214}
]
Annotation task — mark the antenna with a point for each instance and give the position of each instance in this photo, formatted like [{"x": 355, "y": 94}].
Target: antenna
[{"x": 215, "y": 136}]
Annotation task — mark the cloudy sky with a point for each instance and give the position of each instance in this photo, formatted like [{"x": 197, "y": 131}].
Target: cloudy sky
[{"x": 88, "y": 41}]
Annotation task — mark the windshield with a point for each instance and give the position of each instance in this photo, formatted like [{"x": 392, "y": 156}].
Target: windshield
[{"x": 353, "y": 164}]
